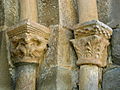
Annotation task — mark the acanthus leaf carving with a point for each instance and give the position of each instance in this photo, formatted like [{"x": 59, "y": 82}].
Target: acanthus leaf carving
[
  {"x": 91, "y": 42},
  {"x": 91, "y": 49}
]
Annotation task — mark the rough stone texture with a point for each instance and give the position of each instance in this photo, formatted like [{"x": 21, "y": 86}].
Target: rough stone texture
[
  {"x": 2, "y": 17},
  {"x": 11, "y": 12},
  {"x": 26, "y": 77},
  {"x": 66, "y": 61},
  {"x": 5, "y": 79},
  {"x": 8, "y": 13},
  {"x": 111, "y": 79},
  {"x": 67, "y": 78},
  {"x": 115, "y": 43},
  {"x": 91, "y": 42},
  {"x": 89, "y": 77},
  {"x": 48, "y": 69},
  {"x": 67, "y": 13},
  {"x": 114, "y": 14},
  {"x": 28, "y": 43},
  {"x": 88, "y": 12},
  {"x": 48, "y": 12},
  {"x": 58, "y": 71},
  {"x": 28, "y": 10},
  {"x": 103, "y": 10}
]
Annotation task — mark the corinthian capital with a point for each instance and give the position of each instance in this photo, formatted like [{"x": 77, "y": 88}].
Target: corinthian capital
[
  {"x": 28, "y": 42},
  {"x": 91, "y": 42}
]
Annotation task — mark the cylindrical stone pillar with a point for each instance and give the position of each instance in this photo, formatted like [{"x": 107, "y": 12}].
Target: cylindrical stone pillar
[
  {"x": 88, "y": 73},
  {"x": 90, "y": 43},
  {"x": 87, "y": 10},
  {"x": 89, "y": 77},
  {"x": 28, "y": 10},
  {"x": 26, "y": 77},
  {"x": 28, "y": 42}
]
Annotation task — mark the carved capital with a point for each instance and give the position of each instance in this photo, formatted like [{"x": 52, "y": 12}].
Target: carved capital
[
  {"x": 92, "y": 28},
  {"x": 91, "y": 42},
  {"x": 28, "y": 42}
]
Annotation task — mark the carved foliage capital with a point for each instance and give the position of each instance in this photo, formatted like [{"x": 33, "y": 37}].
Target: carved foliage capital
[
  {"x": 91, "y": 50},
  {"x": 91, "y": 42},
  {"x": 26, "y": 44},
  {"x": 27, "y": 49}
]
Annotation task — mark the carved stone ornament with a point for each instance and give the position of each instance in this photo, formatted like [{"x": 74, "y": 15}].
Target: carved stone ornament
[
  {"x": 28, "y": 42},
  {"x": 91, "y": 42}
]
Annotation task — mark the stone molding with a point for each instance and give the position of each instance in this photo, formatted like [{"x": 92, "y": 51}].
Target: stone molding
[
  {"x": 91, "y": 42},
  {"x": 28, "y": 41}
]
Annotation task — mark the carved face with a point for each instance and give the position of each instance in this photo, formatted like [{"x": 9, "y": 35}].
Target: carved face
[{"x": 30, "y": 46}]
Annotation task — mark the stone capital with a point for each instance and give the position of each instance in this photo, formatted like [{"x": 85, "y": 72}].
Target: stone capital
[
  {"x": 28, "y": 41},
  {"x": 91, "y": 42}
]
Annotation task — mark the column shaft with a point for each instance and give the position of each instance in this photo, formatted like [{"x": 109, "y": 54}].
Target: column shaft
[
  {"x": 88, "y": 77},
  {"x": 26, "y": 77},
  {"x": 87, "y": 10},
  {"x": 28, "y": 10},
  {"x": 28, "y": 42}
]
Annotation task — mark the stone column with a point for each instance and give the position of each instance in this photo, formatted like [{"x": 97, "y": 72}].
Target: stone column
[
  {"x": 28, "y": 42},
  {"x": 90, "y": 43},
  {"x": 28, "y": 10},
  {"x": 87, "y": 10}
]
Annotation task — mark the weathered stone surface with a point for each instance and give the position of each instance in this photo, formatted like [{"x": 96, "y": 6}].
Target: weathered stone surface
[
  {"x": 111, "y": 79},
  {"x": 48, "y": 13},
  {"x": 48, "y": 69},
  {"x": 66, "y": 61},
  {"x": 66, "y": 58},
  {"x": 108, "y": 12},
  {"x": 11, "y": 12},
  {"x": 115, "y": 42},
  {"x": 114, "y": 14},
  {"x": 28, "y": 10},
  {"x": 5, "y": 79},
  {"x": 26, "y": 77},
  {"x": 91, "y": 42},
  {"x": 103, "y": 7},
  {"x": 89, "y": 77},
  {"x": 87, "y": 14},
  {"x": 67, "y": 79},
  {"x": 58, "y": 68},
  {"x": 2, "y": 16},
  {"x": 28, "y": 43},
  {"x": 68, "y": 13}
]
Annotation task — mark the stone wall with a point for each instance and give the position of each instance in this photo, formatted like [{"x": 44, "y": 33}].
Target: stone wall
[
  {"x": 9, "y": 14},
  {"x": 48, "y": 12},
  {"x": 2, "y": 17},
  {"x": 59, "y": 70},
  {"x": 104, "y": 10}
]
